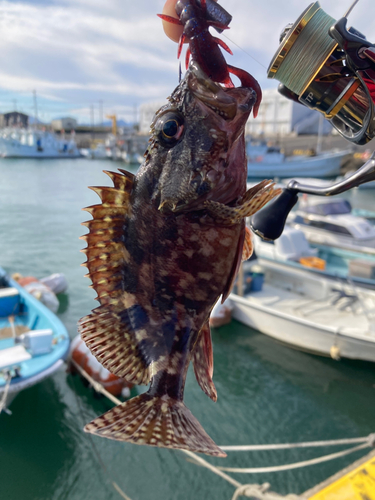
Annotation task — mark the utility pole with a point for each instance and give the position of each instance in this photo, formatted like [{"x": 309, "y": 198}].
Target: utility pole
[
  {"x": 92, "y": 122},
  {"x": 15, "y": 104},
  {"x": 92, "y": 115},
  {"x": 101, "y": 113},
  {"x": 35, "y": 109}
]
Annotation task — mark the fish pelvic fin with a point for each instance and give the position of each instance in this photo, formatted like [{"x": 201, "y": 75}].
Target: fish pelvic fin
[
  {"x": 247, "y": 250},
  {"x": 155, "y": 421},
  {"x": 114, "y": 344},
  {"x": 203, "y": 362},
  {"x": 252, "y": 201},
  {"x": 106, "y": 253}
]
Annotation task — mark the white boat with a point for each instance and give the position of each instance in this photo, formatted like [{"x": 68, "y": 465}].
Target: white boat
[
  {"x": 100, "y": 152},
  {"x": 32, "y": 143},
  {"x": 310, "y": 313},
  {"x": 265, "y": 161},
  {"x": 329, "y": 221},
  {"x": 292, "y": 249}
]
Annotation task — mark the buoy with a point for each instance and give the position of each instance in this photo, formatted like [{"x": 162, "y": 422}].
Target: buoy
[{"x": 335, "y": 353}]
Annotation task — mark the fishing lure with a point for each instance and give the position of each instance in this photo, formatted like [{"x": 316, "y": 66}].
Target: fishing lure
[{"x": 205, "y": 48}]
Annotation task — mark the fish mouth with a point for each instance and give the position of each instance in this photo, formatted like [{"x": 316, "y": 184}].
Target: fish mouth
[{"x": 225, "y": 102}]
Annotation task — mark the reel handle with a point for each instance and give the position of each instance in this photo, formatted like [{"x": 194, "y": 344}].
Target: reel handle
[{"x": 269, "y": 222}]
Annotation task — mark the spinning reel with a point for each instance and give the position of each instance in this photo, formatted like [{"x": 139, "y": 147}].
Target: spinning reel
[{"x": 320, "y": 64}]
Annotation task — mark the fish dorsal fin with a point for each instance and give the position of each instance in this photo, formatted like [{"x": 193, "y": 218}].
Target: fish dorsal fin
[
  {"x": 105, "y": 249},
  {"x": 203, "y": 361},
  {"x": 108, "y": 330}
]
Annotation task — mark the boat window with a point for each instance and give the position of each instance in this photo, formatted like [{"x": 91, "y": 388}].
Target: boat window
[
  {"x": 299, "y": 220},
  {"x": 327, "y": 226},
  {"x": 332, "y": 208}
]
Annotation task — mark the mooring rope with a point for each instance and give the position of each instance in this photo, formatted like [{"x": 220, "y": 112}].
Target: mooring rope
[
  {"x": 295, "y": 465},
  {"x": 96, "y": 452},
  {"x": 250, "y": 490},
  {"x": 5, "y": 393},
  {"x": 307, "y": 444}
]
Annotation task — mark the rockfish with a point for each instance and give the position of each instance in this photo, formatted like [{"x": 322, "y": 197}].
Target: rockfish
[{"x": 162, "y": 247}]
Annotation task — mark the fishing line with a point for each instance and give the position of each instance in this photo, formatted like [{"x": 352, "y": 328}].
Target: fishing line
[
  {"x": 308, "y": 52},
  {"x": 96, "y": 452},
  {"x": 243, "y": 50}
]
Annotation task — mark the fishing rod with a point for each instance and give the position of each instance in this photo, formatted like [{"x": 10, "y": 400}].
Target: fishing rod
[{"x": 331, "y": 69}]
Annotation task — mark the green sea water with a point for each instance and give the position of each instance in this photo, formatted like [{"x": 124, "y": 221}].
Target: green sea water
[{"x": 267, "y": 393}]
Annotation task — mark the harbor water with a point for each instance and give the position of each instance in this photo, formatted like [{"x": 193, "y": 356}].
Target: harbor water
[{"x": 267, "y": 392}]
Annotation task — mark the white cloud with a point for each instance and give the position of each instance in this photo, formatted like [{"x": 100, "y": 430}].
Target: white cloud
[{"x": 77, "y": 51}]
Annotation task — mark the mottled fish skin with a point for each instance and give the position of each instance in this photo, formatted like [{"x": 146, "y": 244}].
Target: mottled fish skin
[{"x": 162, "y": 248}]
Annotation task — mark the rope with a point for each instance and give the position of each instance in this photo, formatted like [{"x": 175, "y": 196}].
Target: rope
[
  {"x": 296, "y": 465},
  {"x": 96, "y": 385},
  {"x": 96, "y": 452},
  {"x": 287, "y": 446},
  {"x": 5, "y": 393},
  {"x": 258, "y": 492}
]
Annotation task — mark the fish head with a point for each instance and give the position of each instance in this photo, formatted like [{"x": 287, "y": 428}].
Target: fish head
[{"x": 197, "y": 147}]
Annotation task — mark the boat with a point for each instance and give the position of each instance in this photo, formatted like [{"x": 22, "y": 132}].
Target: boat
[
  {"x": 292, "y": 249},
  {"x": 330, "y": 221},
  {"x": 81, "y": 360},
  {"x": 265, "y": 161},
  {"x": 100, "y": 152},
  {"x": 33, "y": 341},
  {"x": 308, "y": 312},
  {"x": 46, "y": 289},
  {"x": 33, "y": 143}
]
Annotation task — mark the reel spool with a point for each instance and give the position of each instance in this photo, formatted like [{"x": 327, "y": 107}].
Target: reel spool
[{"x": 318, "y": 65}]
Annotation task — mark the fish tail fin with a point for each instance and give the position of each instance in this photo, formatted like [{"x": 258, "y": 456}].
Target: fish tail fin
[{"x": 155, "y": 421}]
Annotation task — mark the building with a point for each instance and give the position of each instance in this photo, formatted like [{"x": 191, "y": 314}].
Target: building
[
  {"x": 278, "y": 116},
  {"x": 146, "y": 114},
  {"x": 13, "y": 119},
  {"x": 65, "y": 123}
]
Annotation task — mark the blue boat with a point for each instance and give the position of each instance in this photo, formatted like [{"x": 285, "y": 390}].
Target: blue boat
[{"x": 33, "y": 341}]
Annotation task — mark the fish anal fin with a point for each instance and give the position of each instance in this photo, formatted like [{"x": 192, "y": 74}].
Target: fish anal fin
[
  {"x": 155, "y": 421},
  {"x": 114, "y": 345},
  {"x": 247, "y": 250},
  {"x": 203, "y": 361}
]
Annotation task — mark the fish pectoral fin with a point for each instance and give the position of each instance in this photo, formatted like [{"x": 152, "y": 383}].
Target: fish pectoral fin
[
  {"x": 114, "y": 345},
  {"x": 247, "y": 250},
  {"x": 203, "y": 362},
  {"x": 155, "y": 421},
  {"x": 253, "y": 200}
]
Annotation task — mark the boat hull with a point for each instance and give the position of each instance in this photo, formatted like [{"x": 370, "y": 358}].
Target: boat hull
[
  {"x": 301, "y": 334},
  {"x": 328, "y": 165}
]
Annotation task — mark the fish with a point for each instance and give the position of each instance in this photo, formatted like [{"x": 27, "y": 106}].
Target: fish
[{"x": 163, "y": 246}]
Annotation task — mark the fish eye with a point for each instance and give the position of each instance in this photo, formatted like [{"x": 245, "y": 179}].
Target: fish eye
[{"x": 169, "y": 128}]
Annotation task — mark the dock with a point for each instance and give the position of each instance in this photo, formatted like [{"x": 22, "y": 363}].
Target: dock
[{"x": 355, "y": 482}]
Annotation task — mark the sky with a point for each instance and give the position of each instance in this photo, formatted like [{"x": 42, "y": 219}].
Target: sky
[{"x": 81, "y": 55}]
